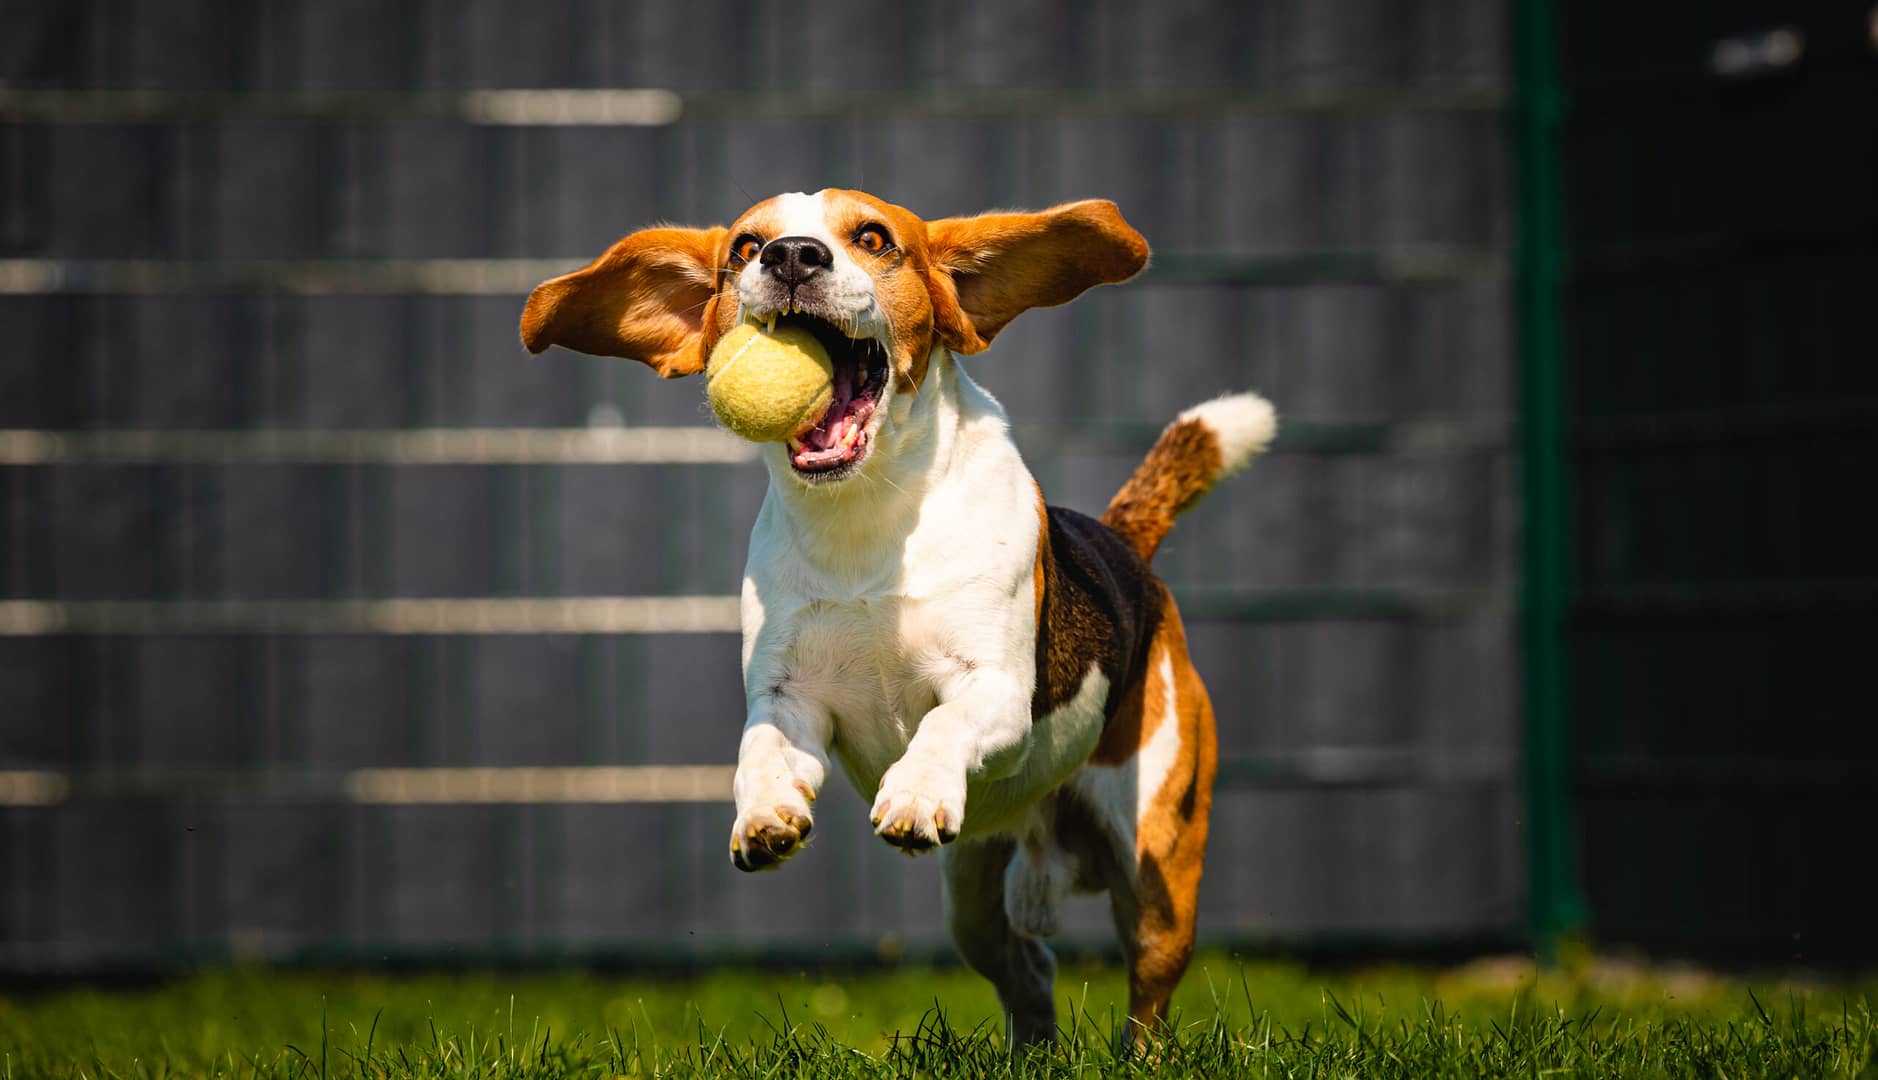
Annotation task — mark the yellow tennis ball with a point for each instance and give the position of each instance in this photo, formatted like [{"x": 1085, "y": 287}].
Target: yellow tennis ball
[{"x": 769, "y": 386}]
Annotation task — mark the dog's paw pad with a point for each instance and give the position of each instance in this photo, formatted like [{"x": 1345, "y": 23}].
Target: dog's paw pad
[{"x": 765, "y": 839}]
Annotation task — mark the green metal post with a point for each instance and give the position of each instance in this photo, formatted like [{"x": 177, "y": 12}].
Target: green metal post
[{"x": 1556, "y": 909}]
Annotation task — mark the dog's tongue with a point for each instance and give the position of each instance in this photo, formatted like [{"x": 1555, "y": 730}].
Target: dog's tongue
[
  {"x": 833, "y": 439},
  {"x": 828, "y": 432}
]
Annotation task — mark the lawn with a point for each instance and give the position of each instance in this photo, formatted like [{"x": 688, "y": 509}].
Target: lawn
[{"x": 1236, "y": 1019}]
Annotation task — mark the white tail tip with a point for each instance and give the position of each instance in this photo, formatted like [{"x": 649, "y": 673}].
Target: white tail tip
[{"x": 1244, "y": 424}]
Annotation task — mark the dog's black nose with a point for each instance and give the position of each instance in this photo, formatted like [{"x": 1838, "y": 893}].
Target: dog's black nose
[{"x": 794, "y": 259}]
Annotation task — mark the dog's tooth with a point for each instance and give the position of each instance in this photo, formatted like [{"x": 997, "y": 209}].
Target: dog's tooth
[{"x": 770, "y": 327}]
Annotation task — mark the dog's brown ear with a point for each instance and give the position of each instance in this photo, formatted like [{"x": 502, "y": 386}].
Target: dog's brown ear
[
  {"x": 650, "y": 298},
  {"x": 989, "y": 269}
]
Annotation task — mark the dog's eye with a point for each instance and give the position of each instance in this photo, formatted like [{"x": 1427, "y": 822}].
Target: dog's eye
[
  {"x": 872, "y": 239},
  {"x": 746, "y": 247}
]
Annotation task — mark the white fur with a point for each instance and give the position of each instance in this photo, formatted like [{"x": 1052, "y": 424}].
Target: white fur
[
  {"x": 1120, "y": 795},
  {"x": 1038, "y": 877},
  {"x": 1244, "y": 424},
  {"x": 1041, "y": 872},
  {"x": 900, "y": 603},
  {"x": 1156, "y": 757}
]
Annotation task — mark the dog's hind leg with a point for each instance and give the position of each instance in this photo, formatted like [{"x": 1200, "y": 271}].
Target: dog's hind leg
[
  {"x": 1152, "y": 804},
  {"x": 1021, "y": 968}
]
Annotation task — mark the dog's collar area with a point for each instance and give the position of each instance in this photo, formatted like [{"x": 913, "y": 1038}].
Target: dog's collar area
[{"x": 834, "y": 447}]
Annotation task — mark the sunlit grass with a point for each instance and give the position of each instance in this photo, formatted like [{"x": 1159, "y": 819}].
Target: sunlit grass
[{"x": 1495, "y": 1017}]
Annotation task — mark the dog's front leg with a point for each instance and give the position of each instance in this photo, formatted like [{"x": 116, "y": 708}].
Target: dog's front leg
[
  {"x": 979, "y": 732},
  {"x": 780, "y": 766}
]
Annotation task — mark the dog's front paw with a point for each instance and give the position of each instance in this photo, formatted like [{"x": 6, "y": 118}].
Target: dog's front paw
[
  {"x": 919, "y": 807},
  {"x": 764, "y": 837}
]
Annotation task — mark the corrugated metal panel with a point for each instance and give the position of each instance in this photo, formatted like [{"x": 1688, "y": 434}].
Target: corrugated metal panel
[{"x": 1325, "y": 189}]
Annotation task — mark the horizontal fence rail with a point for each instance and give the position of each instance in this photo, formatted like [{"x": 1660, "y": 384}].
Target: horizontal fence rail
[
  {"x": 1317, "y": 767},
  {"x": 432, "y": 446},
  {"x": 647, "y": 445},
  {"x": 481, "y": 615},
  {"x": 657, "y": 107},
  {"x": 632, "y": 614},
  {"x": 275, "y": 695},
  {"x": 505, "y": 276}
]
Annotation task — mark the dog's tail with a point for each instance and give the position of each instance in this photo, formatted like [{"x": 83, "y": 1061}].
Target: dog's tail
[{"x": 1206, "y": 443}]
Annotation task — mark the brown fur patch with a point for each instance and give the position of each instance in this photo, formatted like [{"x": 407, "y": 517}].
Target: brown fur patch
[
  {"x": 1138, "y": 711},
  {"x": 1099, "y": 606},
  {"x": 1122, "y": 735},
  {"x": 1170, "y": 836},
  {"x": 901, "y": 284},
  {"x": 994, "y": 267},
  {"x": 1179, "y": 469},
  {"x": 1172, "y": 812},
  {"x": 652, "y": 297}
]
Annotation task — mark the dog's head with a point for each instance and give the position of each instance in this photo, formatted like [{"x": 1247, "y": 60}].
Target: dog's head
[{"x": 880, "y": 287}]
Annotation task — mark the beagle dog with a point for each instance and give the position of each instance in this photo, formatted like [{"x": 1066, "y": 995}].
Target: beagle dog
[{"x": 1007, "y": 680}]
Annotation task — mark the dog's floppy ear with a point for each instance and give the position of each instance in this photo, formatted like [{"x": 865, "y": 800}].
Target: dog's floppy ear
[
  {"x": 989, "y": 269},
  {"x": 651, "y": 297}
]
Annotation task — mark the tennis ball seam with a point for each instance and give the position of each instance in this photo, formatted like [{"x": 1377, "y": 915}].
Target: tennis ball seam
[{"x": 736, "y": 356}]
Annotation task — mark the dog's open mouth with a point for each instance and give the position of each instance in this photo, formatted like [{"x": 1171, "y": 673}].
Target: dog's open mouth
[{"x": 838, "y": 441}]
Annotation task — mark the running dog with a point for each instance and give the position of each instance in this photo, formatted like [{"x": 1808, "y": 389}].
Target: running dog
[{"x": 1007, "y": 680}]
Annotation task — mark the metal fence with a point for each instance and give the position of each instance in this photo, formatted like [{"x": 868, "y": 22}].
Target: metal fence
[
  {"x": 333, "y": 626},
  {"x": 1722, "y": 415}
]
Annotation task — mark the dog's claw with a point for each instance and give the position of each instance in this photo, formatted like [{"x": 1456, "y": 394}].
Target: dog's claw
[
  {"x": 904, "y": 832},
  {"x": 909, "y": 843},
  {"x": 919, "y": 807}
]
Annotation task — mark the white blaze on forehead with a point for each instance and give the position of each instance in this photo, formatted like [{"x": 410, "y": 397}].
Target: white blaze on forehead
[{"x": 803, "y": 215}]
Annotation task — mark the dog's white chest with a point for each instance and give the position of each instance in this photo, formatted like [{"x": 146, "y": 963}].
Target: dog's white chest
[{"x": 876, "y": 667}]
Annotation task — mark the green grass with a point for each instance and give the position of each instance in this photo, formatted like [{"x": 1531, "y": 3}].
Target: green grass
[{"x": 1258, "y": 1019}]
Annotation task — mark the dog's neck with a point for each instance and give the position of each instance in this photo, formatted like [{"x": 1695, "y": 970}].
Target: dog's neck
[{"x": 921, "y": 442}]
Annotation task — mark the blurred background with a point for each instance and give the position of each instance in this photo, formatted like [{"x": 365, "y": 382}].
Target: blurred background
[{"x": 334, "y": 628}]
